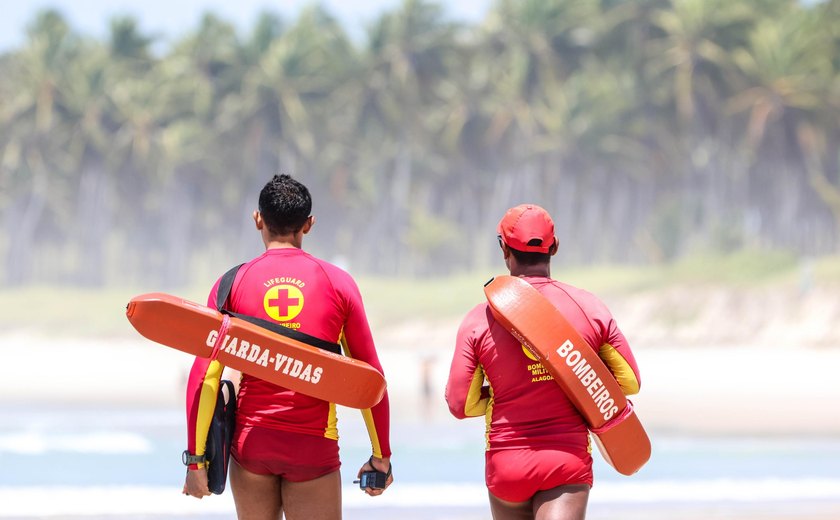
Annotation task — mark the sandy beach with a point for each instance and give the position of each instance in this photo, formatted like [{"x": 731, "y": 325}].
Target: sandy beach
[
  {"x": 749, "y": 390},
  {"x": 713, "y": 360}
]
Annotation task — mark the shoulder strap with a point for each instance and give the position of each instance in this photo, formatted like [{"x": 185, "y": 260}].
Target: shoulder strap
[
  {"x": 225, "y": 285},
  {"x": 289, "y": 333},
  {"x": 223, "y": 294}
]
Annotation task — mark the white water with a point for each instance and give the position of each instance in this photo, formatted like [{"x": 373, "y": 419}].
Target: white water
[{"x": 159, "y": 500}]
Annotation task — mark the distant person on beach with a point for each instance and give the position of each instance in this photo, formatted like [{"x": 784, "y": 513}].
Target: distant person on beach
[
  {"x": 537, "y": 462},
  {"x": 284, "y": 452}
]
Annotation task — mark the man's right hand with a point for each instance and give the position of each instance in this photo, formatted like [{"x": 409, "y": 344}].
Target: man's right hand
[
  {"x": 196, "y": 484},
  {"x": 376, "y": 464}
]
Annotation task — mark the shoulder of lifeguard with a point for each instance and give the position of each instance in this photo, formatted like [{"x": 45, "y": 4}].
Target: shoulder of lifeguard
[
  {"x": 480, "y": 310},
  {"x": 589, "y": 301},
  {"x": 334, "y": 271},
  {"x": 478, "y": 317}
]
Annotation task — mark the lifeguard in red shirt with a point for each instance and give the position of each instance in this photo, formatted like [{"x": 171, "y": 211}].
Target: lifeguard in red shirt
[
  {"x": 538, "y": 462},
  {"x": 285, "y": 445}
]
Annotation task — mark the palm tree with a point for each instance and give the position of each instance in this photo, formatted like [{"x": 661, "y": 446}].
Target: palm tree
[
  {"x": 531, "y": 50},
  {"x": 127, "y": 44},
  {"x": 650, "y": 128},
  {"x": 286, "y": 109},
  {"x": 786, "y": 73},
  {"x": 33, "y": 139},
  {"x": 85, "y": 93},
  {"x": 698, "y": 37},
  {"x": 202, "y": 73},
  {"x": 139, "y": 109},
  {"x": 405, "y": 65}
]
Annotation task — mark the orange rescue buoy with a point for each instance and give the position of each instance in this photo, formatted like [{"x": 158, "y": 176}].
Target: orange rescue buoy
[
  {"x": 576, "y": 367},
  {"x": 195, "y": 329}
]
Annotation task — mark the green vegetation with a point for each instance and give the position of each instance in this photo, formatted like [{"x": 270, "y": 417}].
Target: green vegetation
[
  {"x": 79, "y": 312},
  {"x": 48, "y": 311},
  {"x": 651, "y": 129},
  {"x": 739, "y": 270},
  {"x": 388, "y": 300}
]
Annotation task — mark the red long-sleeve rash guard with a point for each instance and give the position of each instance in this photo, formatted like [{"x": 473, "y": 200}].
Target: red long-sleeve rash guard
[
  {"x": 493, "y": 375},
  {"x": 292, "y": 287}
]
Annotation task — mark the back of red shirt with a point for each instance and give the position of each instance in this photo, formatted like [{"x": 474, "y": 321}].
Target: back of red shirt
[
  {"x": 299, "y": 291},
  {"x": 528, "y": 408}
]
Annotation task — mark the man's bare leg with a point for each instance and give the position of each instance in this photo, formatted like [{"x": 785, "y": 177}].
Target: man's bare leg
[
  {"x": 561, "y": 503},
  {"x": 317, "y": 499},
  {"x": 504, "y": 510},
  {"x": 257, "y": 497}
]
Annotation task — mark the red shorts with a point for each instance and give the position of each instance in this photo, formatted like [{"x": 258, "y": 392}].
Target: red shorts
[
  {"x": 517, "y": 475},
  {"x": 294, "y": 456}
]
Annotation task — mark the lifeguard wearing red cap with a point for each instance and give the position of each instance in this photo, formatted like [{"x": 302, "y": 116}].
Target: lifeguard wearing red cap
[{"x": 528, "y": 228}]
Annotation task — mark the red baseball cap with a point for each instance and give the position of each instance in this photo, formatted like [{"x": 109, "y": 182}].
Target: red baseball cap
[{"x": 527, "y": 224}]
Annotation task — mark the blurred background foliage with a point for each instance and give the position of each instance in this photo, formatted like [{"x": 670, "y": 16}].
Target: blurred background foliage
[{"x": 657, "y": 132}]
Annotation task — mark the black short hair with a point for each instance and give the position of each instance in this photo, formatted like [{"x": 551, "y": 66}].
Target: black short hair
[
  {"x": 284, "y": 204},
  {"x": 530, "y": 258}
]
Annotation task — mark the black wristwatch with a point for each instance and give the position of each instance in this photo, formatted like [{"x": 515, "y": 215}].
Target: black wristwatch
[{"x": 188, "y": 458}]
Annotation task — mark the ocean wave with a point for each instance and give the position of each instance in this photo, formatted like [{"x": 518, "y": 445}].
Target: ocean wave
[
  {"x": 104, "y": 442},
  {"x": 139, "y": 500}
]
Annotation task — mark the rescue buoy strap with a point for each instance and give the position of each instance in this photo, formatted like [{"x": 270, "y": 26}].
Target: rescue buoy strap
[
  {"x": 223, "y": 330},
  {"x": 615, "y": 421},
  {"x": 222, "y": 296}
]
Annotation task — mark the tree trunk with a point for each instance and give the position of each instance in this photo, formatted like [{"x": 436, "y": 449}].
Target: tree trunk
[
  {"x": 178, "y": 232},
  {"x": 22, "y": 219},
  {"x": 94, "y": 222}
]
